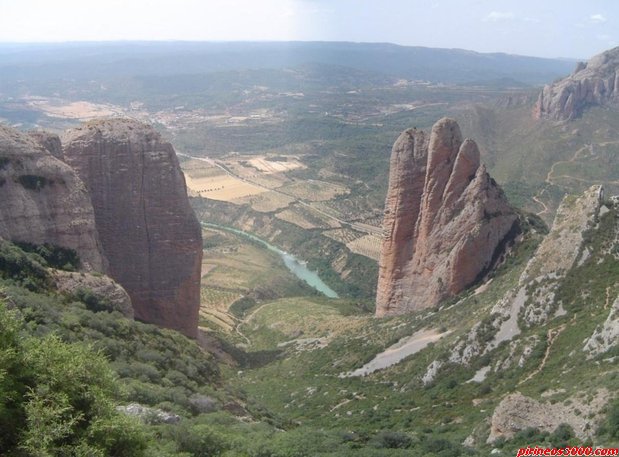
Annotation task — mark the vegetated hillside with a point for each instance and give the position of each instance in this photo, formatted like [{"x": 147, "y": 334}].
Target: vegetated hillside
[
  {"x": 464, "y": 394},
  {"x": 538, "y": 161},
  {"x": 447, "y": 399}
]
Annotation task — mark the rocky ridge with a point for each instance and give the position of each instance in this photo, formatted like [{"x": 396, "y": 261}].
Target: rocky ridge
[
  {"x": 446, "y": 221},
  {"x": 532, "y": 302},
  {"x": 593, "y": 83},
  {"x": 148, "y": 231}
]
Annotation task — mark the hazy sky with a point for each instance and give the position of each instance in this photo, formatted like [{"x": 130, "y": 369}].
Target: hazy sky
[{"x": 549, "y": 28}]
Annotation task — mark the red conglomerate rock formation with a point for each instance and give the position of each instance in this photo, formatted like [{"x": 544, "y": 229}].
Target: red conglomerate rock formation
[
  {"x": 42, "y": 199},
  {"x": 148, "y": 231},
  {"x": 446, "y": 221},
  {"x": 595, "y": 83}
]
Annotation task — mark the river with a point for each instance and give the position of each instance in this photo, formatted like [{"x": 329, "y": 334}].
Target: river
[{"x": 296, "y": 266}]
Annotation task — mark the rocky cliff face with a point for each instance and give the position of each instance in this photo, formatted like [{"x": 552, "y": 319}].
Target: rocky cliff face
[
  {"x": 50, "y": 142},
  {"x": 445, "y": 222},
  {"x": 42, "y": 200},
  {"x": 148, "y": 231},
  {"x": 593, "y": 83}
]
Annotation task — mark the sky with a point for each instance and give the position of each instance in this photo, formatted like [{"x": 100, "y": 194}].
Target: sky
[{"x": 545, "y": 28}]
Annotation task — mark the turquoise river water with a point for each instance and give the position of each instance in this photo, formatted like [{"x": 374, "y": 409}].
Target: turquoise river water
[{"x": 297, "y": 267}]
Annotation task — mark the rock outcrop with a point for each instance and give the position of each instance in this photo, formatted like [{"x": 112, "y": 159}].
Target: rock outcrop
[
  {"x": 593, "y": 83},
  {"x": 147, "y": 415},
  {"x": 50, "y": 142},
  {"x": 446, "y": 221},
  {"x": 605, "y": 336},
  {"x": 109, "y": 294},
  {"x": 148, "y": 231},
  {"x": 517, "y": 412},
  {"x": 554, "y": 257},
  {"x": 533, "y": 301},
  {"x": 42, "y": 199}
]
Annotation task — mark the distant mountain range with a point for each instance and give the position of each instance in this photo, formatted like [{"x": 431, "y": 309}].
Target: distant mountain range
[{"x": 79, "y": 61}]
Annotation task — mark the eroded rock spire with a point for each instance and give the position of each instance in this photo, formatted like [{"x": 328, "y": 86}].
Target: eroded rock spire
[{"x": 446, "y": 221}]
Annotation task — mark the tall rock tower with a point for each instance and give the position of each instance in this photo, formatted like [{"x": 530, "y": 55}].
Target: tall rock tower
[
  {"x": 446, "y": 221},
  {"x": 149, "y": 233}
]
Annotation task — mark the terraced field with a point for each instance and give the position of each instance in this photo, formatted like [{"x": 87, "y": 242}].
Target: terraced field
[
  {"x": 221, "y": 187},
  {"x": 235, "y": 268},
  {"x": 367, "y": 245},
  {"x": 343, "y": 235}
]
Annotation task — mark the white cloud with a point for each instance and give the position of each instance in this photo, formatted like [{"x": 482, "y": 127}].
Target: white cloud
[
  {"x": 495, "y": 16},
  {"x": 597, "y": 18}
]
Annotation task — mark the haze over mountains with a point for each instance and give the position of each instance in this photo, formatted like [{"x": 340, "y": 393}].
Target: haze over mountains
[{"x": 35, "y": 62}]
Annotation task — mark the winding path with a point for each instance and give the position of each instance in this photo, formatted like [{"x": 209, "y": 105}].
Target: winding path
[{"x": 551, "y": 336}]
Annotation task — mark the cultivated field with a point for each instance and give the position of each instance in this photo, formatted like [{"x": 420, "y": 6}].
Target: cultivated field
[
  {"x": 214, "y": 304},
  {"x": 221, "y": 187},
  {"x": 272, "y": 166},
  {"x": 294, "y": 216},
  {"x": 266, "y": 202},
  {"x": 343, "y": 235},
  {"x": 300, "y": 321},
  {"x": 307, "y": 218},
  {"x": 313, "y": 190},
  {"x": 241, "y": 265},
  {"x": 367, "y": 245},
  {"x": 75, "y": 110}
]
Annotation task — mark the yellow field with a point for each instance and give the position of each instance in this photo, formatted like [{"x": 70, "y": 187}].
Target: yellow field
[
  {"x": 221, "y": 187},
  {"x": 367, "y": 245}
]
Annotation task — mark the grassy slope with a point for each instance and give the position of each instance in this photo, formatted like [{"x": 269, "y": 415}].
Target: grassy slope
[{"x": 311, "y": 393}]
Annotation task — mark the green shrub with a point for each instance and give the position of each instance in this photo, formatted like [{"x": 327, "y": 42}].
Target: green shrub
[
  {"x": 25, "y": 269},
  {"x": 58, "y": 399},
  {"x": 94, "y": 302},
  {"x": 610, "y": 427},
  {"x": 560, "y": 437},
  {"x": 55, "y": 256},
  {"x": 200, "y": 440},
  {"x": 391, "y": 440}
]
